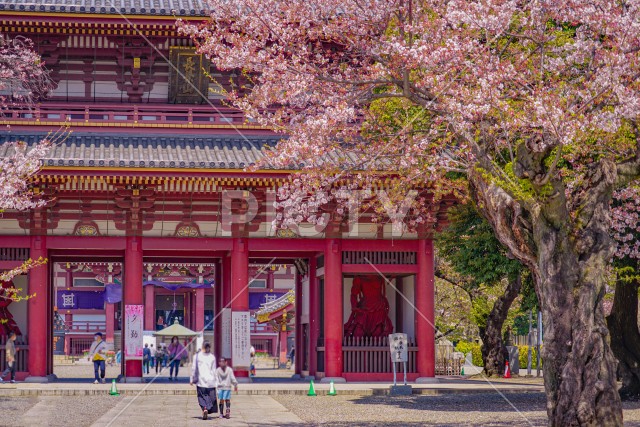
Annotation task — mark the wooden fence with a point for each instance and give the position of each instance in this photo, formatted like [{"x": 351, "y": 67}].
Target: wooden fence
[
  {"x": 22, "y": 356},
  {"x": 372, "y": 355},
  {"x": 448, "y": 361}
]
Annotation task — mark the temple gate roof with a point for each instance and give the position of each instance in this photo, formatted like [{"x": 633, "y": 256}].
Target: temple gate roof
[
  {"x": 109, "y": 7},
  {"x": 155, "y": 151}
]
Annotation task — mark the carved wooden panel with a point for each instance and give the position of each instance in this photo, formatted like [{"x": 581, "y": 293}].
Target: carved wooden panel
[{"x": 188, "y": 79}]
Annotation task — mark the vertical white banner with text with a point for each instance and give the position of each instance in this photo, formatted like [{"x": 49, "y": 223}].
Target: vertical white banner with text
[
  {"x": 241, "y": 339},
  {"x": 225, "y": 333},
  {"x": 133, "y": 331}
]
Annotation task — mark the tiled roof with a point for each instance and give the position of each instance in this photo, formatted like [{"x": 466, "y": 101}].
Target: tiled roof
[
  {"x": 154, "y": 151},
  {"x": 125, "y": 7}
]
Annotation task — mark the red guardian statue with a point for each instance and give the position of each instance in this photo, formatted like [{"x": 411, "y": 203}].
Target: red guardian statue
[{"x": 369, "y": 309}]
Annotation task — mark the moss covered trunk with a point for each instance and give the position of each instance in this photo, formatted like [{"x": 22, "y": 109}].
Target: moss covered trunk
[{"x": 565, "y": 243}]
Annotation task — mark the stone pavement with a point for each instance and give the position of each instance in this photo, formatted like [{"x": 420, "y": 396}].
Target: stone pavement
[{"x": 184, "y": 411}]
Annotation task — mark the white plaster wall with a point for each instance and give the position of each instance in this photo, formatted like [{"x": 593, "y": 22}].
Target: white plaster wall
[
  {"x": 90, "y": 317},
  {"x": 361, "y": 231},
  {"x": 70, "y": 88},
  {"x": 408, "y": 314},
  {"x": 302, "y": 301},
  {"x": 209, "y": 228},
  {"x": 160, "y": 91},
  {"x": 10, "y": 226},
  {"x": 105, "y": 89},
  {"x": 284, "y": 283},
  {"x": 65, "y": 227}
]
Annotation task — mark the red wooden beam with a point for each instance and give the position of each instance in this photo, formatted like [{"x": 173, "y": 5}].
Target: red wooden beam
[
  {"x": 86, "y": 242},
  {"x": 380, "y": 245},
  {"x": 186, "y": 244},
  {"x": 15, "y": 241},
  {"x": 379, "y": 268},
  {"x": 79, "y": 256},
  {"x": 286, "y": 245},
  {"x": 9, "y": 265},
  {"x": 170, "y": 256}
]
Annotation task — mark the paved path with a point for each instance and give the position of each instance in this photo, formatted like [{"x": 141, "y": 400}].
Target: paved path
[{"x": 184, "y": 411}]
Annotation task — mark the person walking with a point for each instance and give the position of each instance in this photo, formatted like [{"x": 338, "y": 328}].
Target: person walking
[
  {"x": 153, "y": 355},
  {"x": 10, "y": 358},
  {"x": 292, "y": 356},
  {"x": 225, "y": 379},
  {"x": 159, "y": 359},
  {"x": 98, "y": 353},
  {"x": 176, "y": 352},
  {"x": 252, "y": 363},
  {"x": 146, "y": 359},
  {"x": 204, "y": 377}
]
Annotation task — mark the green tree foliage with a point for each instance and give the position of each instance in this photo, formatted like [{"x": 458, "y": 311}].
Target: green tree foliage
[{"x": 469, "y": 244}]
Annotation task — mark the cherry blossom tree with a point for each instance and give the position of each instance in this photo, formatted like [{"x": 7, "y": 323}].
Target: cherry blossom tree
[
  {"x": 529, "y": 108},
  {"x": 23, "y": 80}
]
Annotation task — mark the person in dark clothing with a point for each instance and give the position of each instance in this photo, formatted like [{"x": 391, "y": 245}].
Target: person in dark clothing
[
  {"x": 146, "y": 358},
  {"x": 292, "y": 356}
]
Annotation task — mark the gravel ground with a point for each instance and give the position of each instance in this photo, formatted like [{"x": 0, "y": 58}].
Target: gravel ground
[
  {"x": 448, "y": 410},
  {"x": 77, "y": 411}
]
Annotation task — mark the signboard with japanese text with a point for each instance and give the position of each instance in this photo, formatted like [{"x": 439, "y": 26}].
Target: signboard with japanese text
[
  {"x": 133, "y": 330},
  {"x": 398, "y": 346},
  {"x": 241, "y": 339},
  {"x": 225, "y": 333}
]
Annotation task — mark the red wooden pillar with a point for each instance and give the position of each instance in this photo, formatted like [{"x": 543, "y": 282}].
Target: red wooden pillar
[
  {"x": 217, "y": 311},
  {"x": 39, "y": 321},
  {"x": 299, "y": 351},
  {"x": 110, "y": 319},
  {"x": 133, "y": 294},
  {"x": 226, "y": 281},
  {"x": 199, "y": 308},
  {"x": 149, "y": 308},
  {"x": 270, "y": 279},
  {"x": 333, "y": 311},
  {"x": 240, "y": 284},
  {"x": 314, "y": 316},
  {"x": 425, "y": 314}
]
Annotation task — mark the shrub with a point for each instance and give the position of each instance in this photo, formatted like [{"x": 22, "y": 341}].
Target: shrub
[{"x": 524, "y": 351}]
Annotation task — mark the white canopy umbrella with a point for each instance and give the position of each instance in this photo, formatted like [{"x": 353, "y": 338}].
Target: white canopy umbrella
[{"x": 175, "y": 330}]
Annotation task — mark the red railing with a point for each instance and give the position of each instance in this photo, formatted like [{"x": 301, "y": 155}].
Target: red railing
[
  {"x": 22, "y": 356},
  {"x": 85, "y": 326},
  {"x": 125, "y": 114},
  {"x": 78, "y": 346},
  {"x": 372, "y": 355},
  {"x": 261, "y": 328}
]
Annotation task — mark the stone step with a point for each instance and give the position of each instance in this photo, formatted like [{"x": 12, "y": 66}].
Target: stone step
[{"x": 104, "y": 391}]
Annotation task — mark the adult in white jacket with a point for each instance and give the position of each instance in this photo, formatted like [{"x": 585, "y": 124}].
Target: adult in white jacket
[{"x": 203, "y": 376}]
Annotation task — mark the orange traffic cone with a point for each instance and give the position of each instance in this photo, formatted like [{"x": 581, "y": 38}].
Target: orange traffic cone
[{"x": 507, "y": 370}]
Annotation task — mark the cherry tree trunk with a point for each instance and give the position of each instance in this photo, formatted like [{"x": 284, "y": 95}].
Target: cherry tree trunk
[
  {"x": 566, "y": 245},
  {"x": 625, "y": 337},
  {"x": 578, "y": 364},
  {"x": 493, "y": 348}
]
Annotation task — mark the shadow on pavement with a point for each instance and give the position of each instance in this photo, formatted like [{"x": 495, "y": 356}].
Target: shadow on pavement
[{"x": 478, "y": 402}]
